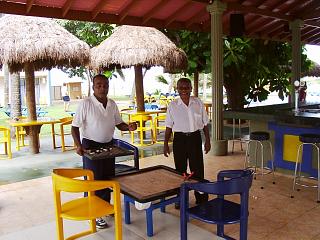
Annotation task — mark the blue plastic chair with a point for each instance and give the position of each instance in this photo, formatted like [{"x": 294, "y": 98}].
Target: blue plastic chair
[{"x": 218, "y": 210}]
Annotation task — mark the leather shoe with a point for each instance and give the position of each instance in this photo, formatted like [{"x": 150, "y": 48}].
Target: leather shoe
[{"x": 101, "y": 223}]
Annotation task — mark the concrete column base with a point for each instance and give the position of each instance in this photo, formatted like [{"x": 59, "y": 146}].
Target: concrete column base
[{"x": 219, "y": 147}]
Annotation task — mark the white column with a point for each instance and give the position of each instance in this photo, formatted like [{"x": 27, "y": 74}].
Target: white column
[
  {"x": 219, "y": 145},
  {"x": 296, "y": 54}
]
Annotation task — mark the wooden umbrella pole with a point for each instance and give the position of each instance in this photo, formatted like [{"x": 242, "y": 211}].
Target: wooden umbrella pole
[
  {"x": 139, "y": 87},
  {"x": 31, "y": 105}
]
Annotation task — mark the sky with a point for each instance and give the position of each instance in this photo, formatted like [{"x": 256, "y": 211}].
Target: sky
[{"x": 313, "y": 53}]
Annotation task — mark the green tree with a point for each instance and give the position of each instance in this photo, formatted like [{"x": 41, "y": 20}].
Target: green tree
[
  {"x": 197, "y": 47},
  {"x": 91, "y": 33},
  {"x": 252, "y": 68},
  {"x": 255, "y": 68}
]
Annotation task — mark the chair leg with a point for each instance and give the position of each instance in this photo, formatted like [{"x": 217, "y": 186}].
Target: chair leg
[
  {"x": 60, "y": 234},
  {"x": 132, "y": 137},
  {"x": 18, "y": 138},
  {"x": 6, "y": 148},
  {"x": 63, "y": 146},
  {"x": 9, "y": 148},
  {"x": 296, "y": 170},
  {"x": 93, "y": 226},
  {"x": 220, "y": 230},
  {"x": 272, "y": 162},
  {"x": 244, "y": 229}
]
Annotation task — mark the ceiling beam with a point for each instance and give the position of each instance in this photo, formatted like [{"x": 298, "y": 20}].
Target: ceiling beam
[
  {"x": 312, "y": 15},
  {"x": 309, "y": 10},
  {"x": 66, "y": 7},
  {"x": 258, "y": 11},
  {"x": 29, "y": 5},
  {"x": 124, "y": 13},
  {"x": 312, "y": 23},
  {"x": 98, "y": 8},
  {"x": 194, "y": 18},
  {"x": 174, "y": 15},
  {"x": 153, "y": 10}
]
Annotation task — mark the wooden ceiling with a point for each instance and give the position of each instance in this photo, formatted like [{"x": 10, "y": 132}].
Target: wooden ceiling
[{"x": 266, "y": 19}]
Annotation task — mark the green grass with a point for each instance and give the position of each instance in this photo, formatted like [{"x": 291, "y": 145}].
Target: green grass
[{"x": 55, "y": 111}]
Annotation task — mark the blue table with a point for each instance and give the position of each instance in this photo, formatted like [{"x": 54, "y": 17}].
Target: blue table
[{"x": 158, "y": 185}]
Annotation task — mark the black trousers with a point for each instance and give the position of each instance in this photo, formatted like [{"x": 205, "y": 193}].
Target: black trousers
[
  {"x": 103, "y": 169},
  {"x": 187, "y": 148}
]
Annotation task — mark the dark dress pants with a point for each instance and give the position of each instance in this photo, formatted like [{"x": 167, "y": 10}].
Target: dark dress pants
[
  {"x": 103, "y": 169},
  {"x": 188, "y": 148}
]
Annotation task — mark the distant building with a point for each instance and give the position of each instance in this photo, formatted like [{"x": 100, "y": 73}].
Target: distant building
[{"x": 48, "y": 86}]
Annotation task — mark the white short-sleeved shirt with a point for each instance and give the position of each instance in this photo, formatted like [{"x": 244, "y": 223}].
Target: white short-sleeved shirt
[
  {"x": 183, "y": 118},
  {"x": 96, "y": 122}
]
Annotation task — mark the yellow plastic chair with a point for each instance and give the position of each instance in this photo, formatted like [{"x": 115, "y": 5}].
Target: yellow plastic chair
[
  {"x": 122, "y": 112},
  {"x": 84, "y": 208},
  {"x": 64, "y": 122},
  {"x": 5, "y": 137},
  {"x": 20, "y": 133},
  {"x": 142, "y": 128},
  {"x": 158, "y": 127},
  {"x": 163, "y": 101}
]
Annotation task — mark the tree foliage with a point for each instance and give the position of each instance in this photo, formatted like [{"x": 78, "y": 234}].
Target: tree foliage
[
  {"x": 252, "y": 68},
  {"x": 91, "y": 33}
]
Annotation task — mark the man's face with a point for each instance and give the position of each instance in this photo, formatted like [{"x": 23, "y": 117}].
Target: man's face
[
  {"x": 184, "y": 88},
  {"x": 100, "y": 86}
]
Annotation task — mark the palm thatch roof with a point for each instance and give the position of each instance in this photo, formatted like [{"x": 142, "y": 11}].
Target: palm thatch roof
[
  {"x": 39, "y": 41},
  {"x": 131, "y": 45}
]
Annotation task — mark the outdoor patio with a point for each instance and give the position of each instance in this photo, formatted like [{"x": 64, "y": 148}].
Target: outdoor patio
[{"x": 26, "y": 208}]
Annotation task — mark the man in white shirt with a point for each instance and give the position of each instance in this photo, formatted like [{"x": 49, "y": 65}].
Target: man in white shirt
[
  {"x": 186, "y": 116},
  {"x": 96, "y": 119}
]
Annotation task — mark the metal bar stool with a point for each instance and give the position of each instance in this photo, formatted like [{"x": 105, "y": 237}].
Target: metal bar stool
[
  {"x": 313, "y": 140},
  {"x": 259, "y": 137},
  {"x": 242, "y": 139}
]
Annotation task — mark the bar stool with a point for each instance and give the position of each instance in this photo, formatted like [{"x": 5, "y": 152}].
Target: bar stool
[
  {"x": 259, "y": 137},
  {"x": 242, "y": 139},
  {"x": 313, "y": 140}
]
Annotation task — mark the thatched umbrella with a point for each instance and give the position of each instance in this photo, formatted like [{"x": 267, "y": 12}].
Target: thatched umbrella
[
  {"x": 32, "y": 43},
  {"x": 139, "y": 47}
]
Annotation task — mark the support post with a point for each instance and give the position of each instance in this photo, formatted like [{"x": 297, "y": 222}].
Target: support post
[
  {"x": 219, "y": 145},
  {"x": 296, "y": 55}
]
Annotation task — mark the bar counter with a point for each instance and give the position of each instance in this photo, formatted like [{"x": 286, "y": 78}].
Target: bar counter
[{"x": 284, "y": 125}]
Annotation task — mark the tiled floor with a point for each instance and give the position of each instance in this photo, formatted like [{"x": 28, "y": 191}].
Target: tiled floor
[{"x": 28, "y": 205}]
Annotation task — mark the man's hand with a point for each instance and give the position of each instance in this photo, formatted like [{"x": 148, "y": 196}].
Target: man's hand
[
  {"x": 166, "y": 150},
  {"x": 207, "y": 146},
  {"x": 132, "y": 126},
  {"x": 80, "y": 151}
]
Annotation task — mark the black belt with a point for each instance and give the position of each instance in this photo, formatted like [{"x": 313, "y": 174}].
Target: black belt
[{"x": 187, "y": 134}]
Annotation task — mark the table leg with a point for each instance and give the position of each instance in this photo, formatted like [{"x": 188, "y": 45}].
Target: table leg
[
  {"x": 17, "y": 138},
  {"x": 149, "y": 222},
  {"x": 163, "y": 208},
  {"x": 126, "y": 210},
  {"x": 53, "y": 136}
]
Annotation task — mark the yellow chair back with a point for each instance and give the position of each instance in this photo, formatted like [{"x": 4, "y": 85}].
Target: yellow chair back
[
  {"x": 158, "y": 127},
  {"x": 141, "y": 119},
  {"x": 5, "y": 138},
  {"x": 84, "y": 208},
  {"x": 63, "y": 122},
  {"x": 66, "y": 120}
]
